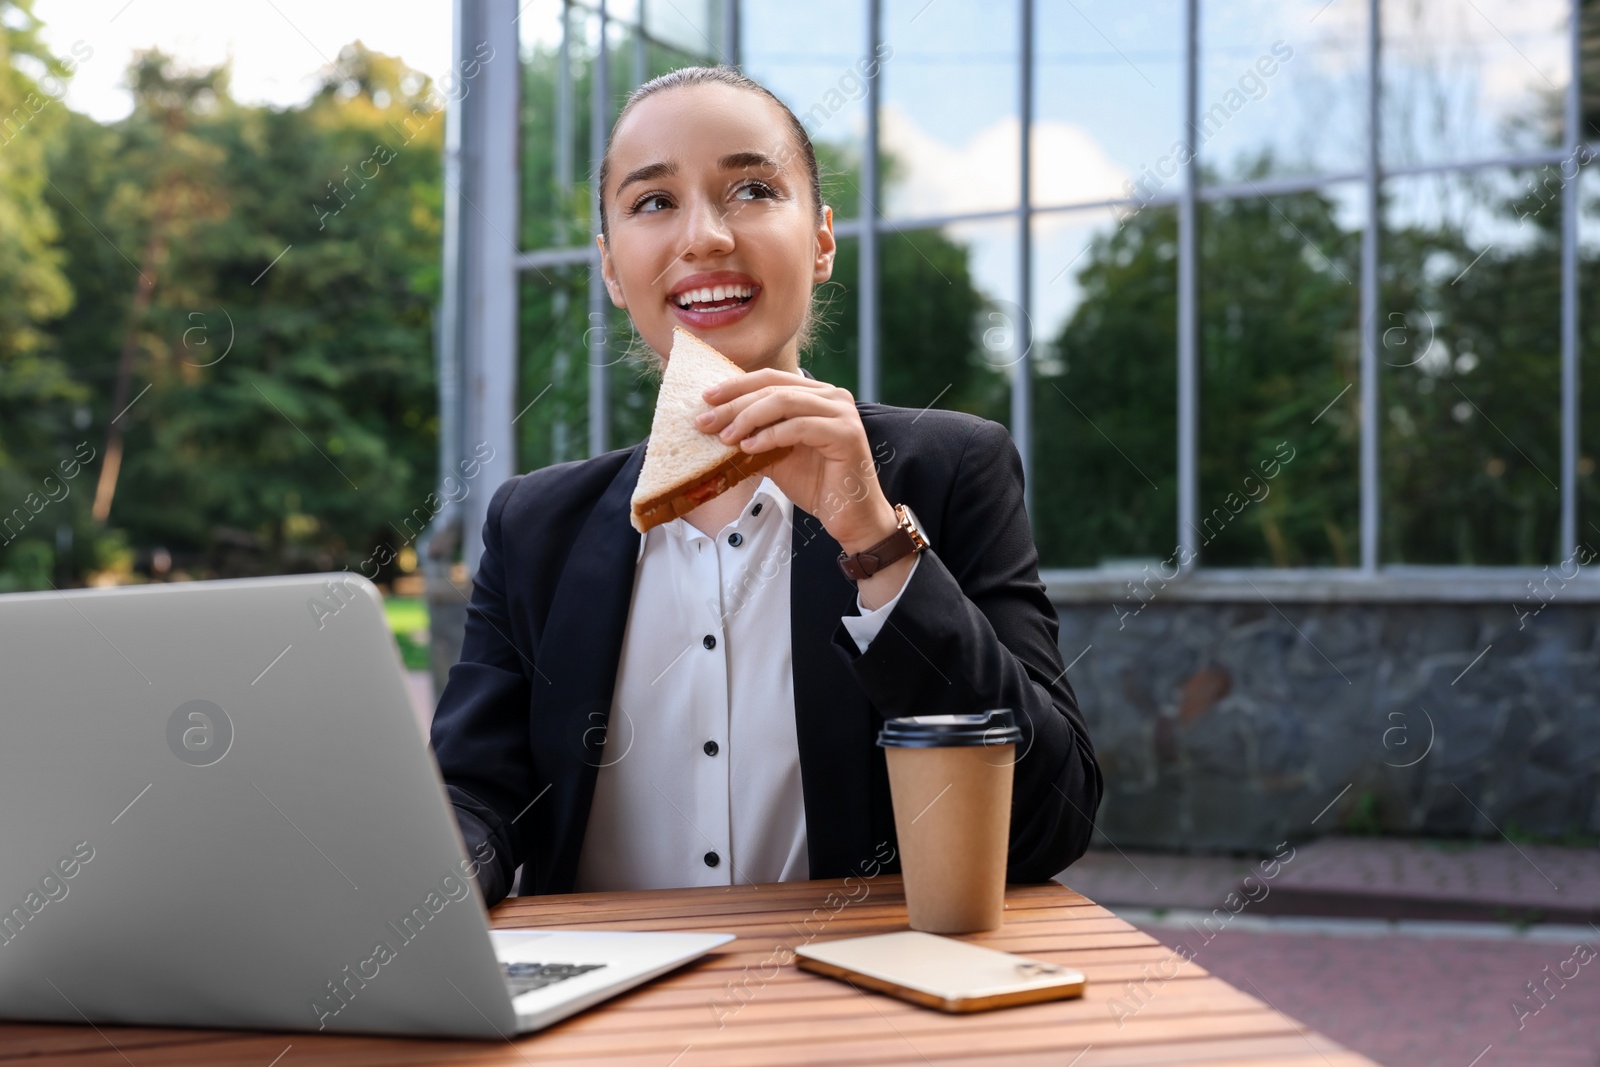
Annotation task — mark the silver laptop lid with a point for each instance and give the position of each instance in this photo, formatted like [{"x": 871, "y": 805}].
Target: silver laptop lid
[{"x": 217, "y": 809}]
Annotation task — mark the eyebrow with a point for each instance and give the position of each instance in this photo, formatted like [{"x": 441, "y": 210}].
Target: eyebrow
[
  {"x": 733, "y": 161},
  {"x": 648, "y": 173},
  {"x": 747, "y": 161}
]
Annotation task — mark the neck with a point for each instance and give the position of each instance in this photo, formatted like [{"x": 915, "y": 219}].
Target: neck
[{"x": 786, "y": 358}]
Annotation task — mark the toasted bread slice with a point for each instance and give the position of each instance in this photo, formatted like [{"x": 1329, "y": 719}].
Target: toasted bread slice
[{"x": 683, "y": 468}]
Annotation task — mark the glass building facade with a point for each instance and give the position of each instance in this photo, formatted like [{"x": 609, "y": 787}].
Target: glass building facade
[{"x": 1254, "y": 285}]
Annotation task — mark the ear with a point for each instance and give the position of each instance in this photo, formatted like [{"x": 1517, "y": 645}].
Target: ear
[
  {"x": 609, "y": 275},
  {"x": 827, "y": 246}
]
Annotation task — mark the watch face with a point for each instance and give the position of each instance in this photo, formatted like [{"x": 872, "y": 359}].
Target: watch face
[{"x": 908, "y": 523}]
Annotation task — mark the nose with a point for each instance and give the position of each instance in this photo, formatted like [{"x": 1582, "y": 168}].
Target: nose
[{"x": 706, "y": 230}]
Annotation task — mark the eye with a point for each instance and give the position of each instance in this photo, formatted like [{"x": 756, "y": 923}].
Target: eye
[
  {"x": 649, "y": 202},
  {"x": 755, "y": 190}
]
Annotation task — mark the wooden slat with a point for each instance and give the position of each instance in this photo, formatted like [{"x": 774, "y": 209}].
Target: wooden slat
[
  {"x": 872, "y": 1040},
  {"x": 740, "y": 1005},
  {"x": 808, "y": 998},
  {"x": 1245, "y": 1052},
  {"x": 863, "y": 1041},
  {"x": 1204, "y": 995},
  {"x": 29, "y": 1040}
]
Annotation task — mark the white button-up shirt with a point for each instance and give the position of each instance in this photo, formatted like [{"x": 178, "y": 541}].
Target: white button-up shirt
[{"x": 699, "y": 782}]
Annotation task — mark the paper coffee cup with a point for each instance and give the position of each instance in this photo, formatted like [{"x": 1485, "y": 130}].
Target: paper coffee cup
[{"x": 950, "y": 781}]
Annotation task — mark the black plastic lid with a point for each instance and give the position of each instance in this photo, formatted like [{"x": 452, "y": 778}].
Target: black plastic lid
[{"x": 995, "y": 727}]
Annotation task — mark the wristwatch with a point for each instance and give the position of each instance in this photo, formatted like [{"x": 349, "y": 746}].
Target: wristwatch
[{"x": 906, "y": 539}]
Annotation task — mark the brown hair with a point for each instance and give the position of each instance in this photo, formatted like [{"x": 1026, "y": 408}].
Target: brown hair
[{"x": 684, "y": 77}]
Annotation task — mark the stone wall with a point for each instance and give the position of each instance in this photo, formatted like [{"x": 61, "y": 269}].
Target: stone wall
[{"x": 1232, "y": 715}]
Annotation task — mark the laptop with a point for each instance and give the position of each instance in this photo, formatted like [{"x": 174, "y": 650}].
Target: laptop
[{"x": 217, "y": 809}]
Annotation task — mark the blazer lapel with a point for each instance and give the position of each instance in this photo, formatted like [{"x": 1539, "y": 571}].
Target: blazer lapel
[
  {"x": 578, "y": 657},
  {"x": 833, "y": 719}
]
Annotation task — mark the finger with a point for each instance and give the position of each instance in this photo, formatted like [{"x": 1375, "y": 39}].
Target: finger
[
  {"x": 716, "y": 419},
  {"x": 814, "y": 431},
  {"x": 758, "y": 379},
  {"x": 778, "y": 406},
  {"x": 712, "y": 421}
]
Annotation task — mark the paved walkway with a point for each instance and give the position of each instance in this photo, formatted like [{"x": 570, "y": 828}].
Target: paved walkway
[
  {"x": 1411, "y": 993},
  {"x": 1420, "y": 1002}
]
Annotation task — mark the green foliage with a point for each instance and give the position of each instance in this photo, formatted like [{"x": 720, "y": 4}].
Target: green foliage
[
  {"x": 37, "y": 389},
  {"x": 289, "y": 421},
  {"x": 1572, "y": 837},
  {"x": 1280, "y": 316},
  {"x": 408, "y": 617},
  {"x": 1104, "y": 482},
  {"x": 928, "y": 326},
  {"x": 1277, "y": 344},
  {"x": 1365, "y": 817},
  {"x": 30, "y": 268},
  {"x": 1471, "y": 448},
  {"x": 1469, "y": 384}
]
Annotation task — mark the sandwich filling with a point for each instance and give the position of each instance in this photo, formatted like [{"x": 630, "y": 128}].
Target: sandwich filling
[{"x": 682, "y": 501}]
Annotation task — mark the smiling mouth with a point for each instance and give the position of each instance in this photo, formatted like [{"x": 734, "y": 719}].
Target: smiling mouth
[{"x": 714, "y": 298}]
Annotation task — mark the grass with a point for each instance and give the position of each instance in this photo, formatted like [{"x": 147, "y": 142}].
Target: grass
[
  {"x": 1570, "y": 838},
  {"x": 408, "y": 616}
]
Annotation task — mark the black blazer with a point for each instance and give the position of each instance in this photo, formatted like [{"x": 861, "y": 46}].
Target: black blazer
[{"x": 521, "y": 725}]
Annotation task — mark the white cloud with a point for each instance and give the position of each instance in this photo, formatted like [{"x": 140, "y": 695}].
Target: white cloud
[
  {"x": 1507, "y": 49},
  {"x": 983, "y": 174},
  {"x": 1068, "y": 166},
  {"x": 279, "y": 50}
]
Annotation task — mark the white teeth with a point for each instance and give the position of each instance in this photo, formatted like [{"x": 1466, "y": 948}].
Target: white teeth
[{"x": 714, "y": 295}]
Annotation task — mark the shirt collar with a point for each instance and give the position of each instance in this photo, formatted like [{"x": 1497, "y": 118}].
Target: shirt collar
[{"x": 767, "y": 494}]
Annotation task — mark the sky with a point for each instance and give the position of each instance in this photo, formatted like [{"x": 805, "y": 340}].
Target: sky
[{"x": 278, "y": 47}]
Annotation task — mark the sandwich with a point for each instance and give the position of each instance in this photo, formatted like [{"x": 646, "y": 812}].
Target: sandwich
[{"x": 683, "y": 468}]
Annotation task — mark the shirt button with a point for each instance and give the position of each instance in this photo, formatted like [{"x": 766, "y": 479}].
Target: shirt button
[
  {"x": 710, "y": 748},
  {"x": 736, "y": 539},
  {"x": 756, "y": 510},
  {"x": 709, "y": 641},
  {"x": 712, "y": 859}
]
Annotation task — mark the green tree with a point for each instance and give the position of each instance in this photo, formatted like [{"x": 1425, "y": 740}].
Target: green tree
[
  {"x": 36, "y": 388},
  {"x": 1104, "y": 482},
  {"x": 1278, "y": 343},
  {"x": 178, "y": 192},
  {"x": 1468, "y": 374},
  {"x": 1471, "y": 446},
  {"x": 290, "y": 419}
]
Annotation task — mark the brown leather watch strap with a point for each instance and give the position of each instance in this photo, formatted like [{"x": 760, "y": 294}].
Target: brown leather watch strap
[{"x": 905, "y": 540}]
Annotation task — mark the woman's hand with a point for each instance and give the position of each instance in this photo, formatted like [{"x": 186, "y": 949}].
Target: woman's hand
[{"x": 830, "y": 473}]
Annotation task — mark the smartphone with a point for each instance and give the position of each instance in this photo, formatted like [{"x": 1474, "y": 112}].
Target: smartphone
[{"x": 940, "y": 972}]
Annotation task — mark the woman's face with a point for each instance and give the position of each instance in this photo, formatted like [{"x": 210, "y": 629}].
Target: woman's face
[{"x": 712, "y": 225}]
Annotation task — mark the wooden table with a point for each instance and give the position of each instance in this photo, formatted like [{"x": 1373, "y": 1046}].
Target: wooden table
[{"x": 747, "y": 1004}]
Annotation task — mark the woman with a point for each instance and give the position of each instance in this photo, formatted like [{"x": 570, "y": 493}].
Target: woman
[{"x": 699, "y": 705}]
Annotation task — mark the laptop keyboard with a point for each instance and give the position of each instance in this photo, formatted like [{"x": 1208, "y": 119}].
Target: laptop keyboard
[{"x": 526, "y": 977}]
